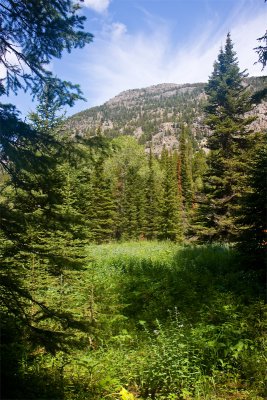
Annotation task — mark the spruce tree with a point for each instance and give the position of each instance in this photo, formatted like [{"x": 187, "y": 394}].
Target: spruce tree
[
  {"x": 127, "y": 166},
  {"x": 131, "y": 217},
  {"x": 130, "y": 203},
  {"x": 228, "y": 101},
  {"x": 171, "y": 221},
  {"x": 102, "y": 211},
  {"x": 252, "y": 221},
  {"x": 32, "y": 34},
  {"x": 186, "y": 158},
  {"x": 152, "y": 200},
  {"x": 41, "y": 229}
]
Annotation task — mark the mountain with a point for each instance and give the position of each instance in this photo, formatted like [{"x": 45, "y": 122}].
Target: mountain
[{"x": 155, "y": 115}]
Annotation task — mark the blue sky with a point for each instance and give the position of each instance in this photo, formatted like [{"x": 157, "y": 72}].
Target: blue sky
[{"x": 138, "y": 43}]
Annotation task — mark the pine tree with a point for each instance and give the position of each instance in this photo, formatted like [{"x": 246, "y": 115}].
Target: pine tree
[
  {"x": 152, "y": 200},
  {"x": 199, "y": 169},
  {"x": 102, "y": 210},
  {"x": 32, "y": 34},
  {"x": 228, "y": 101},
  {"x": 252, "y": 222},
  {"x": 186, "y": 157},
  {"x": 171, "y": 222},
  {"x": 126, "y": 167},
  {"x": 40, "y": 235},
  {"x": 132, "y": 204}
]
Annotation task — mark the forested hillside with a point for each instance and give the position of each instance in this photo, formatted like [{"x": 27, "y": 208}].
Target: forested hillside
[
  {"x": 156, "y": 115},
  {"x": 158, "y": 160},
  {"x": 132, "y": 266}
]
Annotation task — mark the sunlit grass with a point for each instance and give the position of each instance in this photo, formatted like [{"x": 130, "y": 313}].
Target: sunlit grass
[
  {"x": 163, "y": 321},
  {"x": 141, "y": 250}
]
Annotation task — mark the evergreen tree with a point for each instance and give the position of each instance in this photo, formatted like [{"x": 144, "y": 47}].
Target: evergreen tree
[
  {"x": 102, "y": 211},
  {"x": 127, "y": 168},
  {"x": 33, "y": 33},
  {"x": 132, "y": 183},
  {"x": 228, "y": 101},
  {"x": 40, "y": 230},
  {"x": 152, "y": 200},
  {"x": 186, "y": 157},
  {"x": 262, "y": 50},
  {"x": 252, "y": 222},
  {"x": 131, "y": 224},
  {"x": 171, "y": 223},
  {"x": 199, "y": 169},
  {"x": 50, "y": 220},
  {"x": 184, "y": 211}
]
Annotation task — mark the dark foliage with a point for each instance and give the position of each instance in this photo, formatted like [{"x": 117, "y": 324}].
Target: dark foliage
[
  {"x": 35, "y": 32},
  {"x": 228, "y": 101}
]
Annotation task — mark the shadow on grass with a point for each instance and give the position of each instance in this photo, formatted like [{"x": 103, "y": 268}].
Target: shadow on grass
[{"x": 195, "y": 278}]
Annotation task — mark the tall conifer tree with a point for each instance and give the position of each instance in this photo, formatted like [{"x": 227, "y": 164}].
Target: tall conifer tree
[
  {"x": 228, "y": 101},
  {"x": 253, "y": 212},
  {"x": 127, "y": 169},
  {"x": 102, "y": 210},
  {"x": 186, "y": 158},
  {"x": 152, "y": 201},
  {"x": 170, "y": 224}
]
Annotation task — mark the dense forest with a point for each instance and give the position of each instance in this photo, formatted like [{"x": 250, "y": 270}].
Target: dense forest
[{"x": 128, "y": 273}]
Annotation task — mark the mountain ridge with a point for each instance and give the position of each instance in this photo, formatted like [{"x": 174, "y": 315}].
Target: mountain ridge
[{"x": 156, "y": 114}]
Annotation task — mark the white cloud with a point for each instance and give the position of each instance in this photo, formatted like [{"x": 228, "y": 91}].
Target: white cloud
[
  {"x": 118, "y": 30},
  {"x": 121, "y": 61},
  {"x": 245, "y": 38},
  {"x": 97, "y": 5}
]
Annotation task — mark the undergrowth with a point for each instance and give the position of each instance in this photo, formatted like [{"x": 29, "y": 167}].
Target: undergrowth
[{"x": 161, "y": 321}]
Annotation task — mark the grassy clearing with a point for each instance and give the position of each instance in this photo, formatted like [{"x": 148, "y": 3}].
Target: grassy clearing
[
  {"x": 140, "y": 250},
  {"x": 161, "y": 321}
]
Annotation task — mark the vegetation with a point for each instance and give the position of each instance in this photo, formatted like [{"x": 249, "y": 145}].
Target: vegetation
[
  {"x": 262, "y": 49},
  {"x": 106, "y": 291},
  {"x": 34, "y": 33},
  {"x": 163, "y": 321},
  {"x": 228, "y": 100},
  {"x": 171, "y": 104}
]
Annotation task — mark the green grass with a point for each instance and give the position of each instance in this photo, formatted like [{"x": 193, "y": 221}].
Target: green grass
[
  {"x": 161, "y": 320},
  {"x": 141, "y": 250}
]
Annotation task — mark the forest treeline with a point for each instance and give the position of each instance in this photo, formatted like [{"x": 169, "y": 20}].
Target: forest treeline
[
  {"x": 60, "y": 193},
  {"x": 101, "y": 189}
]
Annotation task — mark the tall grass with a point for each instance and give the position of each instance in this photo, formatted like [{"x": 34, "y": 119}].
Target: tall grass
[{"x": 163, "y": 321}]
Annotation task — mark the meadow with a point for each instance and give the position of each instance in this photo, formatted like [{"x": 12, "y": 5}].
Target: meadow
[{"x": 157, "y": 321}]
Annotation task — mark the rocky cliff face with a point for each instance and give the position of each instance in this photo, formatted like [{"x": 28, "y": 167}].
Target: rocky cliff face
[{"x": 155, "y": 115}]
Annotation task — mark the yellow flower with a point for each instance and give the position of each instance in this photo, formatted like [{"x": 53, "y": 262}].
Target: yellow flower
[{"x": 125, "y": 395}]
